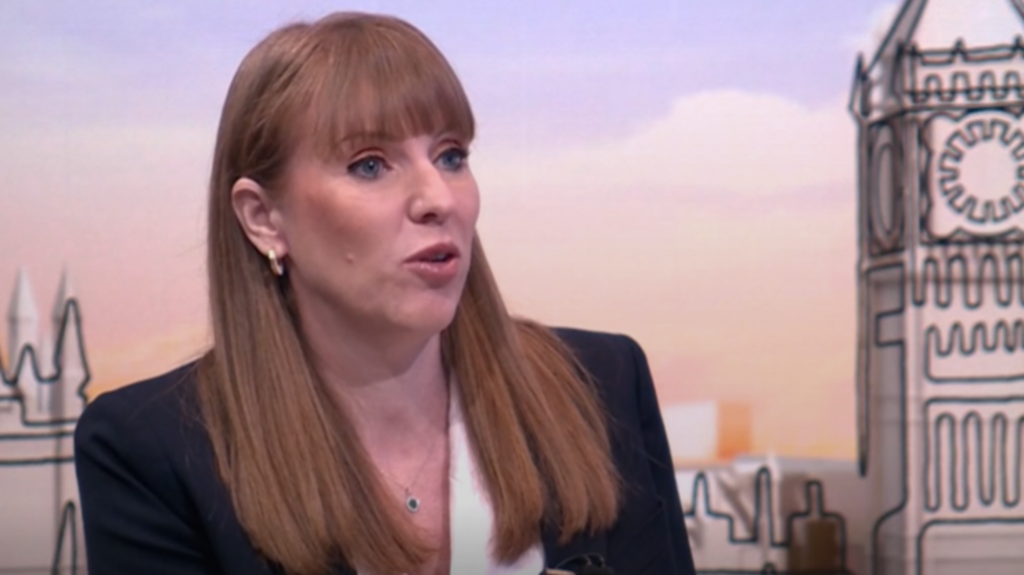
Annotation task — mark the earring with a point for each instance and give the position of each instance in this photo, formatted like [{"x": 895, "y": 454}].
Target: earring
[{"x": 276, "y": 265}]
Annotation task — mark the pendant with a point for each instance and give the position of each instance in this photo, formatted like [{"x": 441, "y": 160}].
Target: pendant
[{"x": 412, "y": 504}]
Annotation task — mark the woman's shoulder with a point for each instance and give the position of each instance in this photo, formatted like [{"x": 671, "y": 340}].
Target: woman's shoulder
[
  {"x": 596, "y": 343},
  {"x": 141, "y": 424},
  {"x": 613, "y": 360},
  {"x": 149, "y": 486},
  {"x": 148, "y": 403}
]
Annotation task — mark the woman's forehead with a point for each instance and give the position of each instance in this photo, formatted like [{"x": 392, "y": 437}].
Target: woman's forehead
[
  {"x": 342, "y": 93},
  {"x": 342, "y": 128}
]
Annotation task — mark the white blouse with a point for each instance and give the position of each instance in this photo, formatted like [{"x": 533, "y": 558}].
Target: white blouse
[{"x": 472, "y": 519}]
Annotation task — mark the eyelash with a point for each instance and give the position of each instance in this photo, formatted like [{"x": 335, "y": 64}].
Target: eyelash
[
  {"x": 354, "y": 167},
  {"x": 459, "y": 154}
]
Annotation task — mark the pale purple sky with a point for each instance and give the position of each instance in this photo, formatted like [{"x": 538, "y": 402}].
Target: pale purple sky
[{"x": 680, "y": 171}]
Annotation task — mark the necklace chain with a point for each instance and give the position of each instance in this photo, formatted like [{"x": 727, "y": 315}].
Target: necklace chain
[{"x": 412, "y": 503}]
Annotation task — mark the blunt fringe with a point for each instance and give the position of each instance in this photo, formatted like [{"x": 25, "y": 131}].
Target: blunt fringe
[{"x": 302, "y": 484}]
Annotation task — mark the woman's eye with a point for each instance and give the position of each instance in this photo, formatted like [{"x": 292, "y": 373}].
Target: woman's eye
[
  {"x": 369, "y": 168},
  {"x": 453, "y": 159}
]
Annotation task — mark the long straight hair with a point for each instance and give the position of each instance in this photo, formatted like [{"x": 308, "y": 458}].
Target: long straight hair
[{"x": 302, "y": 484}]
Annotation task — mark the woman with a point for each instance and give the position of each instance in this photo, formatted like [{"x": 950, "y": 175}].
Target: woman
[{"x": 368, "y": 404}]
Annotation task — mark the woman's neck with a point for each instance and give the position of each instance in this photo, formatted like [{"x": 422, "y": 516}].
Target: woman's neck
[
  {"x": 409, "y": 403},
  {"x": 394, "y": 389}
]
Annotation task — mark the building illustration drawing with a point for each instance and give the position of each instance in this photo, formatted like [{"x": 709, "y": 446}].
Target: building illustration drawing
[
  {"x": 941, "y": 289},
  {"x": 939, "y": 480},
  {"x": 41, "y": 398}
]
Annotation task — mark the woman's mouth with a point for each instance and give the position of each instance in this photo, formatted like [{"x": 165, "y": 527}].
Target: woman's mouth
[{"x": 436, "y": 265}]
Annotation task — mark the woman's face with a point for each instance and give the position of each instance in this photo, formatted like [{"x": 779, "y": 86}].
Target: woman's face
[{"x": 380, "y": 238}]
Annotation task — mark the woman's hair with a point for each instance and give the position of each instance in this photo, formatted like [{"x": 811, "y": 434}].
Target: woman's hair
[{"x": 302, "y": 485}]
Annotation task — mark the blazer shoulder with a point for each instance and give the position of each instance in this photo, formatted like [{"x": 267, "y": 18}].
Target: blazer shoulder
[
  {"x": 596, "y": 348},
  {"x": 147, "y": 484},
  {"x": 139, "y": 416},
  {"x": 144, "y": 403},
  {"x": 583, "y": 340},
  {"x": 614, "y": 361}
]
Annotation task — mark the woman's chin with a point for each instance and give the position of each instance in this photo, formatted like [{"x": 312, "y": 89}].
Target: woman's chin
[{"x": 429, "y": 320}]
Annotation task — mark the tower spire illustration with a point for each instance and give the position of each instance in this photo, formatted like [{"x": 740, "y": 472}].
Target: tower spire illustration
[
  {"x": 22, "y": 319},
  {"x": 65, "y": 291},
  {"x": 72, "y": 371}
]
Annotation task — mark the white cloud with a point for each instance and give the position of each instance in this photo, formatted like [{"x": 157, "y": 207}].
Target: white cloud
[{"x": 729, "y": 141}]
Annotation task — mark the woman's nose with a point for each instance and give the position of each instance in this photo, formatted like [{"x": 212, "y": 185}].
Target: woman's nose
[{"x": 432, "y": 198}]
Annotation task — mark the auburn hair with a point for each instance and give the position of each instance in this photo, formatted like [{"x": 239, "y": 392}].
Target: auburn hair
[{"x": 301, "y": 483}]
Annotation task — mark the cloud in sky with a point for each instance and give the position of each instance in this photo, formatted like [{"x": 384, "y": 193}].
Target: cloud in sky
[
  {"x": 695, "y": 235},
  {"x": 741, "y": 143}
]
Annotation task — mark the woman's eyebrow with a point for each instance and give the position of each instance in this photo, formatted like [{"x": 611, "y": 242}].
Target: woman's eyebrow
[{"x": 355, "y": 141}]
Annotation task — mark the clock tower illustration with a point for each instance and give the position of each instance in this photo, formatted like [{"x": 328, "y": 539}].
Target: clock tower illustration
[{"x": 940, "y": 111}]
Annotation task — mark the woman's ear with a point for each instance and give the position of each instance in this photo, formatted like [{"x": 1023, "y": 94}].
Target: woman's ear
[{"x": 258, "y": 216}]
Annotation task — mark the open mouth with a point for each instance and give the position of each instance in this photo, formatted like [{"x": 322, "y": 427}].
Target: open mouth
[
  {"x": 437, "y": 264},
  {"x": 438, "y": 253},
  {"x": 440, "y": 257}
]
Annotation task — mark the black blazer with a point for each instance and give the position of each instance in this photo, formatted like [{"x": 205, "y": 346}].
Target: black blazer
[{"x": 152, "y": 501}]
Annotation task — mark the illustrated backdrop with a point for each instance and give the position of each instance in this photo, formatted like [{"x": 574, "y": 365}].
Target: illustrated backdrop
[
  {"x": 680, "y": 171},
  {"x": 684, "y": 172}
]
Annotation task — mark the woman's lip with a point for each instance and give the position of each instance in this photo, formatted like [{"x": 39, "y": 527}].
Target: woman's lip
[
  {"x": 429, "y": 253},
  {"x": 435, "y": 273}
]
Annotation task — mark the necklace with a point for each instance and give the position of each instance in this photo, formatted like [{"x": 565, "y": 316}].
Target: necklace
[{"x": 412, "y": 503}]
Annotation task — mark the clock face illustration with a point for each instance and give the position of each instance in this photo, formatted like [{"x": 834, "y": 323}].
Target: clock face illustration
[{"x": 977, "y": 174}]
